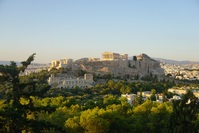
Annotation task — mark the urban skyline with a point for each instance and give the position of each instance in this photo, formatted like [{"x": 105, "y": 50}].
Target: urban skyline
[{"x": 77, "y": 29}]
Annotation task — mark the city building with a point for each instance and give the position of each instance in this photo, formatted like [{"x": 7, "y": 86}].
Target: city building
[
  {"x": 160, "y": 97},
  {"x": 65, "y": 81},
  {"x": 131, "y": 98},
  {"x": 175, "y": 97},
  {"x": 181, "y": 72},
  {"x": 183, "y": 90},
  {"x": 145, "y": 94},
  {"x": 62, "y": 63},
  {"x": 178, "y": 91}
]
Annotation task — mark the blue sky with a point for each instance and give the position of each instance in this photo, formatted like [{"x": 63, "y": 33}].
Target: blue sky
[{"x": 55, "y": 29}]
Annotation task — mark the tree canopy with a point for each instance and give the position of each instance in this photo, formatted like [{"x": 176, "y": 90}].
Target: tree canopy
[{"x": 29, "y": 104}]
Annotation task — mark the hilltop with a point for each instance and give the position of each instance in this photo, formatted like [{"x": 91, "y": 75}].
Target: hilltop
[{"x": 115, "y": 65}]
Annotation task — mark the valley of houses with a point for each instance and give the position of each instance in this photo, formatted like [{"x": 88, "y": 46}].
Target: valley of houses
[
  {"x": 187, "y": 72},
  {"x": 177, "y": 91}
]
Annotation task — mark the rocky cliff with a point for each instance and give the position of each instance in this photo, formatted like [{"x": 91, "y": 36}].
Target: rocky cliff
[{"x": 143, "y": 66}]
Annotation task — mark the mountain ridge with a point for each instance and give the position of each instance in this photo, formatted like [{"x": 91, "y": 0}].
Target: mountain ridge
[
  {"x": 170, "y": 61},
  {"x": 18, "y": 63}
]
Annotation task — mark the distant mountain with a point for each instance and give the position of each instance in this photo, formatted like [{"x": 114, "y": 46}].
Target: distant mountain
[
  {"x": 176, "y": 62},
  {"x": 168, "y": 61},
  {"x": 19, "y": 63},
  {"x": 7, "y": 63}
]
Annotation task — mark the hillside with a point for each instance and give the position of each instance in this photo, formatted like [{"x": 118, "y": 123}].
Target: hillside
[{"x": 144, "y": 65}]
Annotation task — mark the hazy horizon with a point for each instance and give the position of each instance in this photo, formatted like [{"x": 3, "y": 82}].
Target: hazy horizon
[
  {"x": 7, "y": 62},
  {"x": 78, "y": 29}
]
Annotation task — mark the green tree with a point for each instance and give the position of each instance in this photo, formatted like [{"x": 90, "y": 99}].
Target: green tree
[
  {"x": 110, "y": 84},
  {"x": 151, "y": 117},
  {"x": 185, "y": 112},
  {"x": 18, "y": 105},
  {"x": 159, "y": 117},
  {"x": 153, "y": 95},
  {"x": 92, "y": 121},
  {"x": 125, "y": 89},
  {"x": 110, "y": 99},
  {"x": 140, "y": 97},
  {"x": 73, "y": 125},
  {"x": 116, "y": 115}
]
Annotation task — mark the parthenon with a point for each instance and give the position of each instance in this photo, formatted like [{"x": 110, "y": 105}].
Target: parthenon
[{"x": 113, "y": 56}]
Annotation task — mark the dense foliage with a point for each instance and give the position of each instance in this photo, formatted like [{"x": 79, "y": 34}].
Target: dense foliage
[{"x": 28, "y": 104}]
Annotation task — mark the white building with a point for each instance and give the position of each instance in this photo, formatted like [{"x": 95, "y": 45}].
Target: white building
[
  {"x": 160, "y": 97},
  {"x": 183, "y": 90},
  {"x": 196, "y": 94},
  {"x": 70, "y": 82},
  {"x": 62, "y": 63},
  {"x": 175, "y": 97},
  {"x": 178, "y": 91},
  {"x": 145, "y": 95},
  {"x": 130, "y": 98}
]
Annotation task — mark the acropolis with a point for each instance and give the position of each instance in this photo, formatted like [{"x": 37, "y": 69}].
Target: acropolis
[{"x": 113, "y": 63}]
